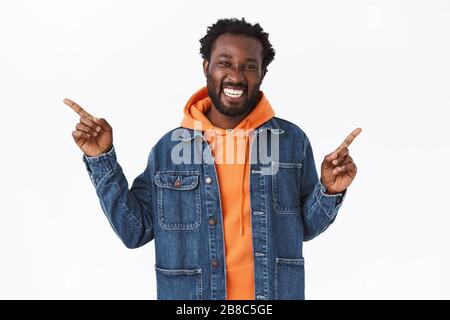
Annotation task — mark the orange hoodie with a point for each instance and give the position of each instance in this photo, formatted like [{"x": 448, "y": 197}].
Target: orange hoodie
[{"x": 230, "y": 149}]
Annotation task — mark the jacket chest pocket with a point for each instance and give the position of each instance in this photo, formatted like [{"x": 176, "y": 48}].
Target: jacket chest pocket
[
  {"x": 178, "y": 200},
  {"x": 286, "y": 187}
]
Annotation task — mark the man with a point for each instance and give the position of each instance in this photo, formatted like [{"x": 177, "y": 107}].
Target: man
[{"x": 228, "y": 219}]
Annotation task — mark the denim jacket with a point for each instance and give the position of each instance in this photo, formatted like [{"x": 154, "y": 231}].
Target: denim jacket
[{"x": 178, "y": 205}]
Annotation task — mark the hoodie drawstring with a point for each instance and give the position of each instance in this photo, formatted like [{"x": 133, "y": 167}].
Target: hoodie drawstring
[{"x": 242, "y": 195}]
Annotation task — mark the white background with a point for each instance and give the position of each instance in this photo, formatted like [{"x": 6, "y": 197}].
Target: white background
[{"x": 380, "y": 65}]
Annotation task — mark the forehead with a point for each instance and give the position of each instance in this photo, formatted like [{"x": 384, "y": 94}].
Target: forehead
[{"x": 238, "y": 46}]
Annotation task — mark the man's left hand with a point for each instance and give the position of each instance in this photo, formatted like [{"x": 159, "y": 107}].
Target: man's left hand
[{"x": 338, "y": 169}]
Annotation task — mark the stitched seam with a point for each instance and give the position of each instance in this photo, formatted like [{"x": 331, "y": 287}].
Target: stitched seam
[
  {"x": 125, "y": 207},
  {"x": 177, "y": 272},
  {"x": 102, "y": 179},
  {"x": 276, "y": 279},
  {"x": 199, "y": 286},
  {"x": 179, "y": 226},
  {"x": 276, "y": 204}
]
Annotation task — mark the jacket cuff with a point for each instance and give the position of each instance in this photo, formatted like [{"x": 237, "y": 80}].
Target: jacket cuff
[
  {"x": 330, "y": 203},
  {"x": 100, "y": 166}
]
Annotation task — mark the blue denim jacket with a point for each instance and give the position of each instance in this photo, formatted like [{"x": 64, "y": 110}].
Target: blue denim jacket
[{"x": 174, "y": 203}]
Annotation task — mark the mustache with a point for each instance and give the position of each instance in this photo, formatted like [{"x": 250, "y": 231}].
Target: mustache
[{"x": 235, "y": 85}]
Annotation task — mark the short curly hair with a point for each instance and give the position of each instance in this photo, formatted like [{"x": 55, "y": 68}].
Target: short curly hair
[{"x": 237, "y": 27}]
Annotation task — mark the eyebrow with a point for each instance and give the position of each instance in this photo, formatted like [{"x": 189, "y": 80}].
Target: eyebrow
[{"x": 224, "y": 55}]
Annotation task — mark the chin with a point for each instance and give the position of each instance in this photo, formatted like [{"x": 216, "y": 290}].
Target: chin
[{"x": 233, "y": 110}]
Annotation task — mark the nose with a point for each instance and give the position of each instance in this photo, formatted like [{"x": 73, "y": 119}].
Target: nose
[{"x": 236, "y": 74}]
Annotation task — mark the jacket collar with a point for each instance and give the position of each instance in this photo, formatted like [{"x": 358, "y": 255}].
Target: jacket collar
[{"x": 272, "y": 125}]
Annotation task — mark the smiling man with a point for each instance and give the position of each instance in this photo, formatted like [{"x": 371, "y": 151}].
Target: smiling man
[{"x": 228, "y": 218}]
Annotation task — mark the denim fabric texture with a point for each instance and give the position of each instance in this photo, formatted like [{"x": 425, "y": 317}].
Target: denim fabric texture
[{"x": 171, "y": 203}]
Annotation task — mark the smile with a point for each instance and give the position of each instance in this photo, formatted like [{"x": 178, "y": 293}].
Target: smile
[{"x": 233, "y": 93}]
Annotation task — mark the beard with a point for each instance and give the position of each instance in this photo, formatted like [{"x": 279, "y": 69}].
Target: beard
[{"x": 251, "y": 98}]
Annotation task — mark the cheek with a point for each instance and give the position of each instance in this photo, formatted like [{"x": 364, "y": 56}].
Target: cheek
[
  {"x": 253, "y": 86},
  {"x": 216, "y": 80}
]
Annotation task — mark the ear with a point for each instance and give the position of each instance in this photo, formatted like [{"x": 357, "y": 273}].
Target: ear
[{"x": 205, "y": 67}]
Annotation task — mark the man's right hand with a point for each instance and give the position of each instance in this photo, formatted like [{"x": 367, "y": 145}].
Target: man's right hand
[{"x": 92, "y": 135}]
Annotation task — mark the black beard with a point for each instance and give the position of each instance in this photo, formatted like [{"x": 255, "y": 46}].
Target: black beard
[{"x": 248, "y": 105}]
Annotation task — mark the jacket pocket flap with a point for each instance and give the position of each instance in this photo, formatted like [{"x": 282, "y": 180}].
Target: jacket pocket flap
[
  {"x": 177, "y": 180},
  {"x": 179, "y": 272},
  {"x": 298, "y": 262}
]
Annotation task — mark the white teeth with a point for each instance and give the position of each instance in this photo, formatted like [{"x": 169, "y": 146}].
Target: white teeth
[{"x": 233, "y": 93}]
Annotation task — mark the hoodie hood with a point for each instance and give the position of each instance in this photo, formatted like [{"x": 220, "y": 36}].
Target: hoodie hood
[{"x": 200, "y": 103}]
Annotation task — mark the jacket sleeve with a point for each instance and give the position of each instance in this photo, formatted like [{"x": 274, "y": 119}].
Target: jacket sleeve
[
  {"x": 318, "y": 209},
  {"x": 129, "y": 211}
]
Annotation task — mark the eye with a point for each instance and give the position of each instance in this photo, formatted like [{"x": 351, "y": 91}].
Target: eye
[
  {"x": 224, "y": 64},
  {"x": 251, "y": 67}
]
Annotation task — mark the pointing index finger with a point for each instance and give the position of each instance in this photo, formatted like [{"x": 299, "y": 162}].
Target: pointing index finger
[
  {"x": 77, "y": 108},
  {"x": 349, "y": 139}
]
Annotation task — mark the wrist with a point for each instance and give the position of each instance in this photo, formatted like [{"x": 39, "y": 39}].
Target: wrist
[{"x": 327, "y": 191}]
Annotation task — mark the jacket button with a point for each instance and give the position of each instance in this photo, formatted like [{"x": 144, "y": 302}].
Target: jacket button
[
  {"x": 214, "y": 263},
  {"x": 212, "y": 221},
  {"x": 208, "y": 180},
  {"x": 177, "y": 184}
]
